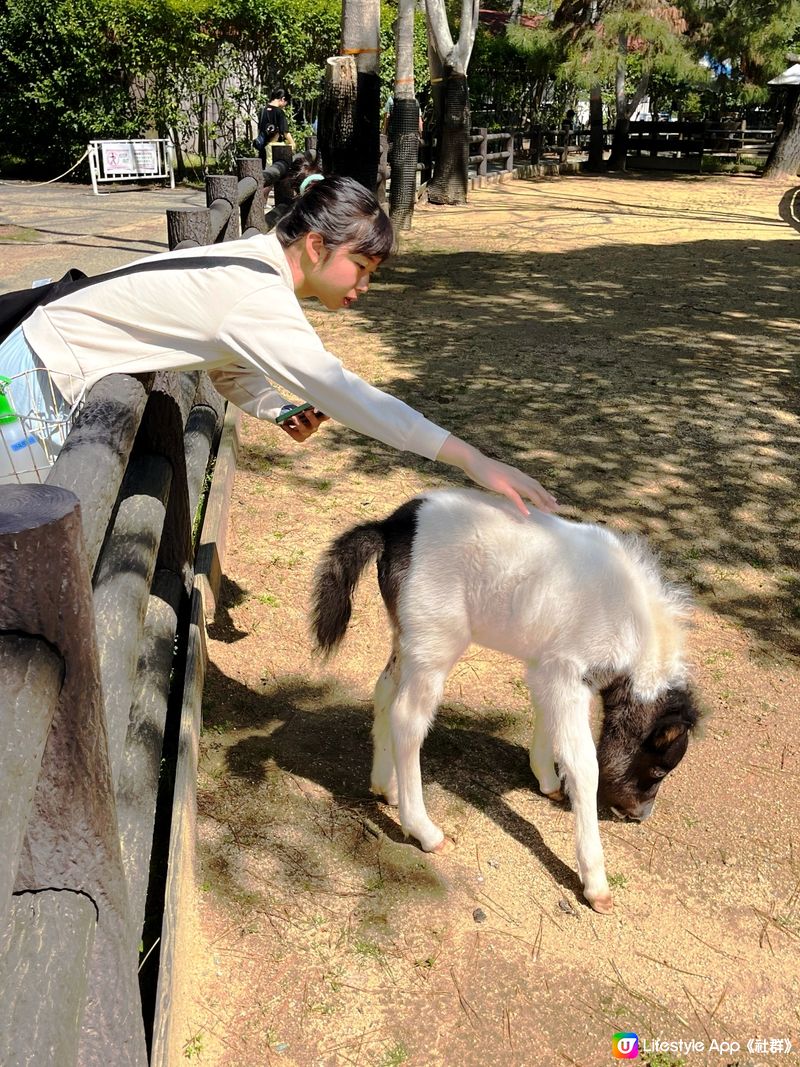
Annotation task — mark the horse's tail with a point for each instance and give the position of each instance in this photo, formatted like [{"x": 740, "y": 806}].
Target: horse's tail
[{"x": 336, "y": 579}]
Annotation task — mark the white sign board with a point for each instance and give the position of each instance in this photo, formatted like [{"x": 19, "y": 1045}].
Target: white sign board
[
  {"x": 129, "y": 157},
  {"x": 113, "y": 161}
]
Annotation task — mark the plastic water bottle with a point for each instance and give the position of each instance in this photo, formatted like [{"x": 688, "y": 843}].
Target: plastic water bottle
[{"x": 22, "y": 456}]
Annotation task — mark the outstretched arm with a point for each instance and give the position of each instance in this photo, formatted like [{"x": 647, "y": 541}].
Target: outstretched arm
[{"x": 497, "y": 476}]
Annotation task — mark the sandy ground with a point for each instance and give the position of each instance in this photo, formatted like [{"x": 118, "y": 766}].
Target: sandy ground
[{"x": 633, "y": 342}]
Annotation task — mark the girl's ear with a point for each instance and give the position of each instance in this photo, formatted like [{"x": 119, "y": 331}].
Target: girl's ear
[{"x": 315, "y": 247}]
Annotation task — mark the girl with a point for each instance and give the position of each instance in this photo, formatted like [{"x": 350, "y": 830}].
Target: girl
[{"x": 243, "y": 324}]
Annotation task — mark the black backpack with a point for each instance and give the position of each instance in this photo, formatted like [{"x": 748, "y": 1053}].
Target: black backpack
[
  {"x": 16, "y": 306},
  {"x": 266, "y": 129}
]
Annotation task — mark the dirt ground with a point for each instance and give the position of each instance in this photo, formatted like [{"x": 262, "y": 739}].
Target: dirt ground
[{"x": 632, "y": 342}]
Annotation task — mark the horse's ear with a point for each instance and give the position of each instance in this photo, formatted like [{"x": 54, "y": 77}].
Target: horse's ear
[{"x": 668, "y": 733}]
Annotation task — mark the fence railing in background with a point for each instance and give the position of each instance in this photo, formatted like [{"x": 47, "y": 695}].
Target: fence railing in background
[
  {"x": 481, "y": 139},
  {"x": 738, "y": 142},
  {"x": 235, "y": 204},
  {"x": 671, "y": 146}
]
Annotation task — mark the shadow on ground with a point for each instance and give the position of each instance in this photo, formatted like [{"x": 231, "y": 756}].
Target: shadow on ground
[
  {"x": 652, "y": 387},
  {"x": 315, "y": 732}
]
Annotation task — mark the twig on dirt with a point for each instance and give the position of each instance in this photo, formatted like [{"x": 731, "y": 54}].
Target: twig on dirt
[
  {"x": 234, "y": 1044},
  {"x": 770, "y": 918},
  {"x": 645, "y": 999},
  {"x": 466, "y": 1007},
  {"x": 727, "y": 955},
  {"x": 596, "y": 1012},
  {"x": 516, "y": 937},
  {"x": 352, "y": 1040},
  {"x": 772, "y": 770},
  {"x": 507, "y": 1026},
  {"x": 711, "y": 1014},
  {"x": 661, "y": 833},
  {"x": 722, "y": 996},
  {"x": 650, "y": 857},
  {"x": 536, "y": 951},
  {"x": 498, "y": 909},
  {"x": 664, "y": 963},
  {"x": 691, "y": 1000},
  {"x": 569, "y": 1059},
  {"x": 622, "y": 840}
]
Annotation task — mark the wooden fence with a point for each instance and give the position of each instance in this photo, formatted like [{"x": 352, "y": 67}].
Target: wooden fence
[
  {"x": 102, "y": 583},
  {"x": 666, "y": 146},
  {"x": 481, "y": 140},
  {"x": 107, "y": 586}
]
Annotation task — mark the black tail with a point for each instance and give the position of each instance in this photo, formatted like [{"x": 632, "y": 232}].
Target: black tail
[{"x": 336, "y": 579}]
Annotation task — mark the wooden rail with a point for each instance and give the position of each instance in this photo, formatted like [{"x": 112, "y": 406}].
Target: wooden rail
[
  {"x": 98, "y": 568},
  {"x": 483, "y": 157},
  {"x": 102, "y": 660}
]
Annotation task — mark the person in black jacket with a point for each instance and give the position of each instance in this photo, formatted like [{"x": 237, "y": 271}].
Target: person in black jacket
[{"x": 273, "y": 124}]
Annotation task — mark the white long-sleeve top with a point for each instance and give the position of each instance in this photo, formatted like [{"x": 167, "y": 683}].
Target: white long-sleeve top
[{"x": 244, "y": 327}]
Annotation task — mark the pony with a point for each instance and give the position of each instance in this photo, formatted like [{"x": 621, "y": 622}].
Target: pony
[{"x": 585, "y": 610}]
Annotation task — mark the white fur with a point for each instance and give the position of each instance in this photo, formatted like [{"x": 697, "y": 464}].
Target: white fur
[{"x": 572, "y": 601}]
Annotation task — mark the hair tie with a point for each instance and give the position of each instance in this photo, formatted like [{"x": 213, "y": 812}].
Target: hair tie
[{"x": 304, "y": 184}]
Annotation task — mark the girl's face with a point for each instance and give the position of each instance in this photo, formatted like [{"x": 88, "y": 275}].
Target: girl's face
[{"x": 337, "y": 276}]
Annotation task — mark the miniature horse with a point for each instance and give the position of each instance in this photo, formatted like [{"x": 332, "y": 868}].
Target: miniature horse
[{"x": 585, "y": 610}]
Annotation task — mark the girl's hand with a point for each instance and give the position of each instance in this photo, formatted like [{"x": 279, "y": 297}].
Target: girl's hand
[
  {"x": 499, "y": 477},
  {"x": 300, "y": 427}
]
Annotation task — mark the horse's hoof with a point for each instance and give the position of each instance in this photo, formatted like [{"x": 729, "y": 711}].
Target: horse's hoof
[
  {"x": 386, "y": 796},
  {"x": 557, "y": 796},
  {"x": 602, "y": 904},
  {"x": 447, "y": 844}
]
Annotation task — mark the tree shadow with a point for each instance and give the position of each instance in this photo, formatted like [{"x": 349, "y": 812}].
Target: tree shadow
[
  {"x": 651, "y": 387},
  {"x": 315, "y": 731}
]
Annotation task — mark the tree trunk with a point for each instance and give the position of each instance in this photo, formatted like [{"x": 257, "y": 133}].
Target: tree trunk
[
  {"x": 619, "y": 144},
  {"x": 337, "y": 118},
  {"x": 448, "y": 63},
  {"x": 404, "y": 131},
  {"x": 350, "y": 122},
  {"x": 626, "y": 107},
  {"x": 595, "y": 160},
  {"x": 784, "y": 156},
  {"x": 451, "y": 169}
]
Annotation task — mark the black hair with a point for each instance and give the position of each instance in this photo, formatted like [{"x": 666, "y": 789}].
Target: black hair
[
  {"x": 343, "y": 213},
  {"x": 278, "y": 93}
]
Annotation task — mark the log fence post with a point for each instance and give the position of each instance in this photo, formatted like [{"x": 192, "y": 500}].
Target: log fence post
[
  {"x": 484, "y": 152},
  {"x": 222, "y": 201},
  {"x": 188, "y": 226},
  {"x": 253, "y": 209},
  {"x": 66, "y": 961}
]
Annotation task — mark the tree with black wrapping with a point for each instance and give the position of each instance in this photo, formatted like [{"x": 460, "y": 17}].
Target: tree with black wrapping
[
  {"x": 349, "y": 135},
  {"x": 448, "y": 65},
  {"x": 404, "y": 121}
]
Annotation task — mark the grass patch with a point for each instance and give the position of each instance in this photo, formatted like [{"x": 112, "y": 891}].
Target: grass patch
[
  {"x": 394, "y": 1056},
  {"x": 368, "y": 949}
]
